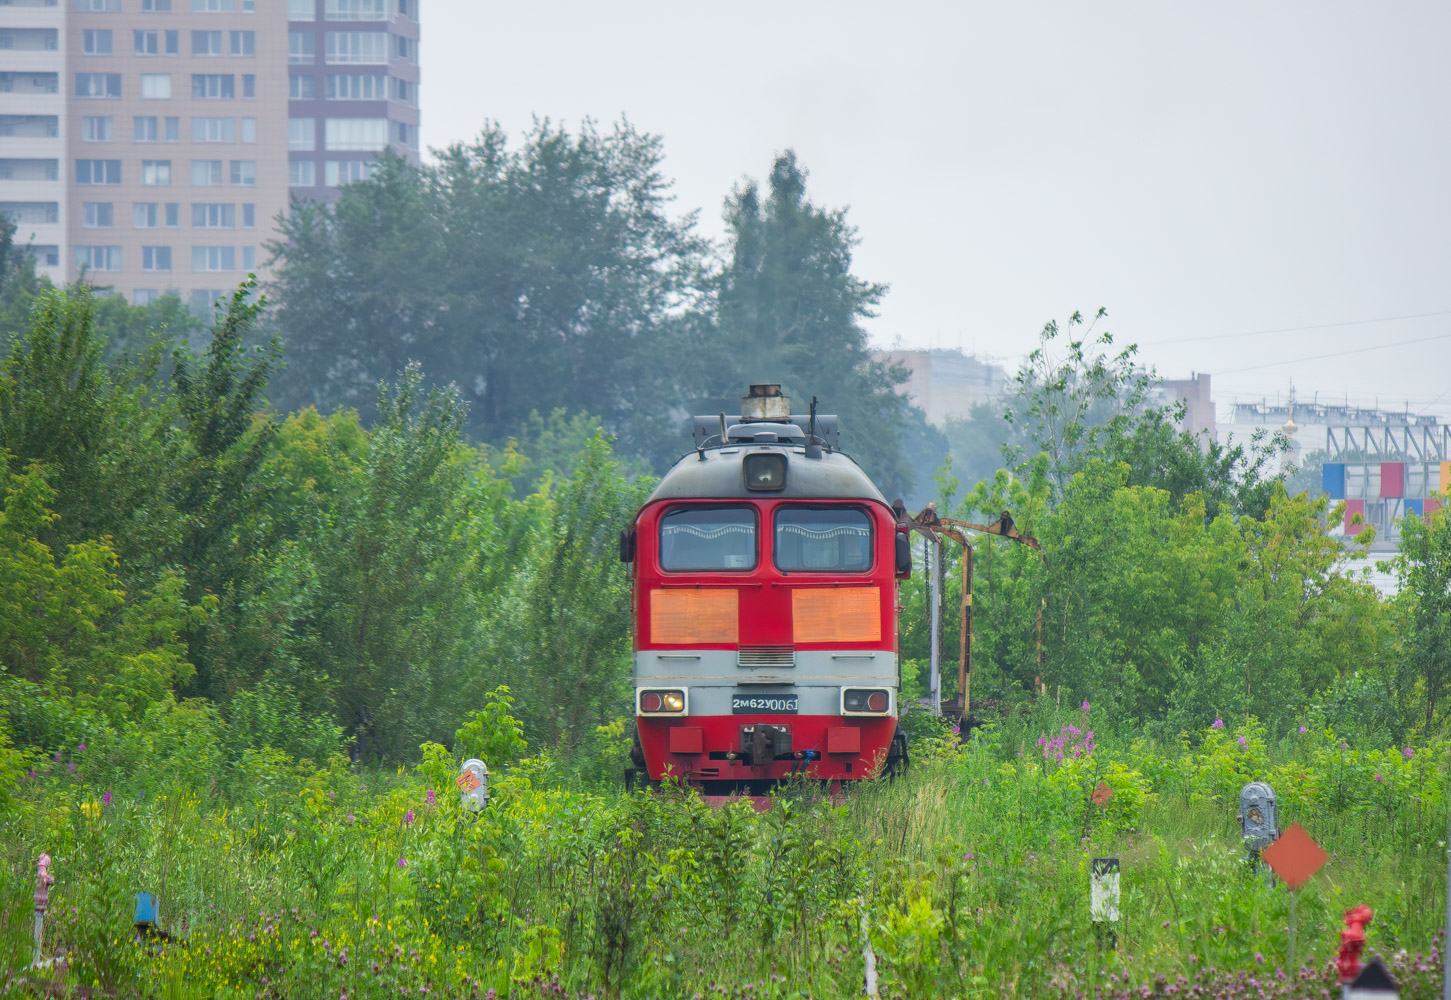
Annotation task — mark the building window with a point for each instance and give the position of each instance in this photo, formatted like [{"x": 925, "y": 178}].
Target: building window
[
  {"x": 173, "y": 129},
  {"x": 156, "y": 173},
  {"x": 145, "y": 296},
  {"x": 98, "y": 171},
  {"x": 301, "y": 88},
  {"x": 244, "y": 172},
  {"x": 213, "y": 259},
  {"x": 98, "y": 6},
  {"x": 357, "y": 87},
  {"x": 370, "y": 134},
  {"x": 157, "y": 6},
  {"x": 244, "y": 43},
  {"x": 29, "y": 83},
  {"x": 143, "y": 129},
  {"x": 249, "y": 258},
  {"x": 249, "y": 216},
  {"x": 249, "y": 130},
  {"x": 302, "y": 173},
  {"x": 302, "y": 133},
  {"x": 404, "y": 91},
  {"x": 356, "y": 46},
  {"x": 172, "y": 215},
  {"x": 97, "y": 214},
  {"x": 405, "y": 49},
  {"x": 404, "y": 6},
  {"x": 301, "y": 47},
  {"x": 146, "y": 43},
  {"x": 213, "y": 6},
  {"x": 402, "y": 134},
  {"x": 173, "y": 43},
  {"x": 206, "y": 173},
  {"x": 96, "y": 41},
  {"x": 98, "y": 258},
  {"x": 205, "y": 299},
  {"x": 96, "y": 128},
  {"x": 249, "y": 85},
  {"x": 213, "y": 130},
  {"x": 215, "y": 86},
  {"x": 156, "y": 86},
  {"x": 39, "y": 170},
  {"x": 28, "y": 212},
  {"x": 98, "y": 85},
  {"x": 340, "y": 172},
  {"x": 206, "y": 43},
  {"x": 156, "y": 258},
  {"x": 30, "y": 126},
  {"x": 213, "y": 216},
  {"x": 144, "y": 215},
  {"x": 354, "y": 10},
  {"x": 302, "y": 10}
]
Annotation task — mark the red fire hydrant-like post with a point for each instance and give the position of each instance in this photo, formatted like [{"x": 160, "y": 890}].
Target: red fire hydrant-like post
[
  {"x": 1352, "y": 940},
  {"x": 43, "y": 881}
]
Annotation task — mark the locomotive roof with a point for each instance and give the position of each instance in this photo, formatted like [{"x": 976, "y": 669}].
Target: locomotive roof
[{"x": 718, "y": 472}]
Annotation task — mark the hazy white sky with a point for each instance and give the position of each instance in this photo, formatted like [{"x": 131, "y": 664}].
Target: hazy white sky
[{"x": 1204, "y": 174}]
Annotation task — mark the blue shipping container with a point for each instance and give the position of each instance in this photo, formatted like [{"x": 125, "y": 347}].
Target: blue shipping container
[{"x": 1332, "y": 479}]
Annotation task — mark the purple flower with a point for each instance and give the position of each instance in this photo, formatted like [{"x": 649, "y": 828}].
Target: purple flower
[
  {"x": 429, "y": 798},
  {"x": 71, "y": 767},
  {"x": 1242, "y": 742},
  {"x": 408, "y": 817},
  {"x": 32, "y": 773},
  {"x": 1303, "y": 730},
  {"x": 352, "y": 818},
  {"x": 956, "y": 730},
  {"x": 402, "y": 862},
  {"x": 968, "y": 856},
  {"x": 1378, "y": 776},
  {"x": 56, "y": 758},
  {"x": 1218, "y": 724},
  {"x": 1085, "y": 705},
  {"x": 82, "y": 747},
  {"x": 1408, "y": 753},
  {"x": 106, "y": 799}
]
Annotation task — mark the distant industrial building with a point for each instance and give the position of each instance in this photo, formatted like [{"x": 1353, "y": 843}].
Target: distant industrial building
[
  {"x": 1199, "y": 414},
  {"x": 946, "y": 384}
]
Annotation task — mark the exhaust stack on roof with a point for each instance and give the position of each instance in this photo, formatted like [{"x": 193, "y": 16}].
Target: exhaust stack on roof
[{"x": 765, "y": 403}]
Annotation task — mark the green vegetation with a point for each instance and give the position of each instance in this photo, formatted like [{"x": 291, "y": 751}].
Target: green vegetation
[{"x": 243, "y": 647}]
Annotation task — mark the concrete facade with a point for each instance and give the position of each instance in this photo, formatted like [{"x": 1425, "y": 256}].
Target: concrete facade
[
  {"x": 150, "y": 145},
  {"x": 946, "y": 384}
]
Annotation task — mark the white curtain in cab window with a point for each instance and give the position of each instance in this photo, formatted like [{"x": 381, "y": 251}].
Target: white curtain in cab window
[{"x": 355, "y": 133}]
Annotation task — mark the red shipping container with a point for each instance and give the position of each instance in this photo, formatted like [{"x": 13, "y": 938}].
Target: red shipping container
[
  {"x": 1432, "y": 505},
  {"x": 1353, "y": 507},
  {"x": 1393, "y": 479}
]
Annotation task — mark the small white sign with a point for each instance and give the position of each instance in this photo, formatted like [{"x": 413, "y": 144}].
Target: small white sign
[
  {"x": 473, "y": 784},
  {"x": 1103, "y": 890}
]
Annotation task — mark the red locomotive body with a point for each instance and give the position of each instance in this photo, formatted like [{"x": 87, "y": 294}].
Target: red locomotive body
[{"x": 765, "y": 592}]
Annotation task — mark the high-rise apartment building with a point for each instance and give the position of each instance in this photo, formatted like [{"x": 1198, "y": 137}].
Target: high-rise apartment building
[{"x": 151, "y": 144}]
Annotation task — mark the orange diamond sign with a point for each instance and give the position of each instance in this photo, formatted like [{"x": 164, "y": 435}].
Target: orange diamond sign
[{"x": 1295, "y": 856}]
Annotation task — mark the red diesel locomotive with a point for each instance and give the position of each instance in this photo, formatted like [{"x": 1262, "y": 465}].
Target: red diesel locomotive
[{"x": 765, "y": 570}]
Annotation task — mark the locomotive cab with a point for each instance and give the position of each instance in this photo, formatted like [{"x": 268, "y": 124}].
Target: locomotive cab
[{"x": 764, "y": 597}]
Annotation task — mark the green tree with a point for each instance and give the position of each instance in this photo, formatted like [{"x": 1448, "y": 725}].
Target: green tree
[
  {"x": 1424, "y": 572},
  {"x": 789, "y": 310}
]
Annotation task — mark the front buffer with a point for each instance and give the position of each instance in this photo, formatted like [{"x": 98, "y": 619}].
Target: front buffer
[{"x": 763, "y": 748}]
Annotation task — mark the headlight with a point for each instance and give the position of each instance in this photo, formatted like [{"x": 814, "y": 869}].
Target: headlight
[
  {"x": 765, "y": 471},
  {"x": 865, "y": 701},
  {"x": 660, "y": 701}
]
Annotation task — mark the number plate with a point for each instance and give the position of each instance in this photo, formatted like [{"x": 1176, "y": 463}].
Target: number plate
[{"x": 764, "y": 704}]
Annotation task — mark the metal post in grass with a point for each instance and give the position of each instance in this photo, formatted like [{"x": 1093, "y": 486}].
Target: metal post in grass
[
  {"x": 1103, "y": 898},
  {"x": 1294, "y": 857},
  {"x": 869, "y": 957},
  {"x": 43, "y": 881}
]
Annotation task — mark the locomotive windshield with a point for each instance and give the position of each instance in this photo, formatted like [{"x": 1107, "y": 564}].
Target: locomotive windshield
[
  {"x": 708, "y": 538},
  {"x": 823, "y": 540}
]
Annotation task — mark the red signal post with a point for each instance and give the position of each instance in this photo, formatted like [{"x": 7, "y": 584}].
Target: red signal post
[{"x": 1352, "y": 940}]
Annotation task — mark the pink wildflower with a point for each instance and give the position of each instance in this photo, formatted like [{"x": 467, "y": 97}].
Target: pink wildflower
[
  {"x": 1085, "y": 705},
  {"x": 106, "y": 799},
  {"x": 1218, "y": 724},
  {"x": 352, "y": 818},
  {"x": 1408, "y": 753},
  {"x": 402, "y": 862},
  {"x": 1378, "y": 776},
  {"x": 408, "y": 817},
  {"x": 1303, "y": 730},
  {"x": 429, "y": 798},
  {"x": 1242, "y": 742}
]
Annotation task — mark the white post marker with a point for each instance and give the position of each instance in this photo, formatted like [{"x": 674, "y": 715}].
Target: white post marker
[
  {"x": 43, "y": 881},
  {"x": 869, "y": 957},
  {"x": 1103, "y": 895},
  {"x": 473, "y": 784}
]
